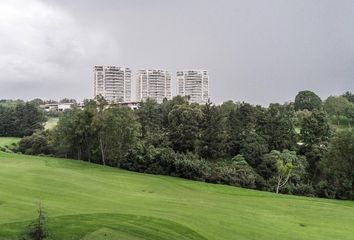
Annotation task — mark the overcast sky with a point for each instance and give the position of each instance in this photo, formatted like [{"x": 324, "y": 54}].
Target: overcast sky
[{"x": 256, "y": 51}]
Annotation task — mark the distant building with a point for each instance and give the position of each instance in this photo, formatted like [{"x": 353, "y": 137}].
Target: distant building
[
  {"x": 154, "y": 84},
  {"x": 113, "y": 83},
  {"x": 57, "y": 107},
  {"x": 195, "y": 84}
]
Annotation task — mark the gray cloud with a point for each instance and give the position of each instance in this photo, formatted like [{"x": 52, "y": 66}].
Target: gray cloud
[{"x": 258, "y": 51}]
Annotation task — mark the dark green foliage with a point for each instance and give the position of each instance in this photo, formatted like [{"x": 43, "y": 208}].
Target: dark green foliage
[
  {"x": 200, "y": 141},
  {"x": 283, "y": 168},
  {"x": 7, "y": 122},
  {"x": 118, "y": 133},
  {"x": 277, "y": 127},
  {"x": 20, "y": 119},
  {"x": 315, "y": 128},
  {"x": 237, "y": 173},
  {"x": 241, "y": 122},
  {"x": 149, "y": 159},
  {"x": 35, "y": 144},
  {"x": 307, "y": 100},
  {"x": 253, "y": 147},
  {"x": 184, "y": 127},
  {"x": 340, "y": 109},
  {"x": 213, "y": 132},
  {"x": 150, "y": 117},
  {"x": 349, "y": 95},
  {"x": 315, "y": 134},
  {"x": 338, "y": 165}
]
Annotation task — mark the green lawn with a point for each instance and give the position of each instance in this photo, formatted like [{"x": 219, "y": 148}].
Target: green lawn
[
  {"x": 92, "y": 202},
  {"x": 51, "y": 123},
  {"x": 6, "y": 142}
]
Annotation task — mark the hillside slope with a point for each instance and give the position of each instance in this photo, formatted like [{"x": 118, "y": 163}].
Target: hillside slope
[{"x": 91, "y": 202}]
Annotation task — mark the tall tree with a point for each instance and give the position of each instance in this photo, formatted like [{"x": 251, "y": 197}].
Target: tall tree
[
  {"x": 253, "y": 147},
  {"x": 184, "y": 127},
  {"x": 151, "y": 120},
  {"x": 338, "y": 164},
  {"x": 315, "y": 134},
  {"x": 118, "y": 132},
  {"x": 339, "y": 107},
  {"x": 307, "y": 100},
  {"x": 241, "y": 121},
  {"x": 278, "y": 127},
  {"x": 29, "y": 118},
  {"x": 349, "y": 95},
  {"x": 213, "y": 132}
]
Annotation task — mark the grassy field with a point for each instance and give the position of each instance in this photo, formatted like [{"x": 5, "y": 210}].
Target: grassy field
[
  {"x": 6, "y": 142},
  {"x": 92, "y": 202},
  {"x": 51, "y": 123}
]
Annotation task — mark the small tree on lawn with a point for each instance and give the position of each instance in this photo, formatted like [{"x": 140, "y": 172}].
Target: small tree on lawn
[{"x": 37, "y": 229}]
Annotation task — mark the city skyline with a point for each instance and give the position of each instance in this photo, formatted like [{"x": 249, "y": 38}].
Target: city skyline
[{"x": 117, "y": 84}]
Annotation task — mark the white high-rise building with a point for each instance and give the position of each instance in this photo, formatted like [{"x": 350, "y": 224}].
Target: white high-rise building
[
  {"x": 154, "y": 84},
  {"x": 195, "y": 84},
  {"x": 113, "y": 83}
]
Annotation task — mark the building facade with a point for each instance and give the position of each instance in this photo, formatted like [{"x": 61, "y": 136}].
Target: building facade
[
  {"x": 194, "y": 84},
  {"x": 154, "y": 84},
  {"x": 113, "y": 83}
]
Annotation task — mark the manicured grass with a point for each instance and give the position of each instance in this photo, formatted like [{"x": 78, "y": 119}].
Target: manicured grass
[
  {"x": 51, "y": 123},
  {"x": 6, "y": 143},
  {"x": 92, "y": 202}
]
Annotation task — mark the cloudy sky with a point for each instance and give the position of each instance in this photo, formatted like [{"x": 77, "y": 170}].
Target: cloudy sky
[{"x": 257, "y": 51}]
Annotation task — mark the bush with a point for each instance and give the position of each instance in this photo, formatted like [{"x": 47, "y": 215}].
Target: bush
[
  {"x": 237, "y": 173},
  {"x": 35, "y": 144}
]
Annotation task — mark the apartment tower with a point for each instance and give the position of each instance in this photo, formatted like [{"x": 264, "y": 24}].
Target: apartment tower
[
  {"x": 154, "y": 84},
  {"x": 113, "y": 83},
  {"x": 195, "y": 84}
]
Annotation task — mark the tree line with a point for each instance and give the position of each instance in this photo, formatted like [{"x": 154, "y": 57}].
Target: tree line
[{"x": 288, "y": 148}]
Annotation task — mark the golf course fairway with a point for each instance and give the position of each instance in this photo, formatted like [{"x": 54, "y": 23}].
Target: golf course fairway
[{"x": 92, "y": 202}]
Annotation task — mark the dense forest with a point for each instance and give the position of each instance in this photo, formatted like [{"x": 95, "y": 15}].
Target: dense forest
[{"x": 305, "y": 147}]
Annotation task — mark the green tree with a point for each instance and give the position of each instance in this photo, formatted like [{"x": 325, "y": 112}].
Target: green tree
[
  {"x": 253, "y": 147},
  {"x": 28, "y": 119},
  {"x": 307, "y": 100},
  {"x": 278, "y": 127},
  {"x": 118, "y": 133},
  {"x": 213, "y": 132},
  {"x": 338, "y": 164},
  {"x": 66, "y": 137},
  {"x": 241, "y": 122},
  {"x": 284, "y": 173},
  {"x": 315, "y": 134},
  {"x": 315, "y": 128},
  {"x": 184, "y": 127},
  {"x": 350, "y": 96},
  {"x": 339, "y": 107},
  {"x": 150, "y": 118},
  {"x": 8, "y": 127},
  {"x": 37, "y": 230},
  {"x": 281, "y": 168},
  {"x": 35, "y": 144}
]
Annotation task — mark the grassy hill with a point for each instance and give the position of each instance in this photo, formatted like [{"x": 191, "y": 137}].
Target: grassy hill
[
  {"x": 91, "y": 202},
  {"x": 6, "y": 142}
]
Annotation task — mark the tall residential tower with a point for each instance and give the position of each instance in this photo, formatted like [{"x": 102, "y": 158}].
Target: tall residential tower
[
  {"x": 195, "y": 84},
  {"x": 154, "y": 84},
  {"x": 113, "y": 83}
]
